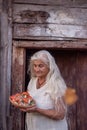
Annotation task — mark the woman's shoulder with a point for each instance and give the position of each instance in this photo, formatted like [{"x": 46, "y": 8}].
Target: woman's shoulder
[{"x": 31, "y": 82}]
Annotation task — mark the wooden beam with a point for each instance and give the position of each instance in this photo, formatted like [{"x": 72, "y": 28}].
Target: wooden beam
[
  {"x": 3, "y": 53},
  {"x": 3, "y": 70},
  {"x": 25, "y": 31},
  {"x": 5, "y": 65},
  {"x": 82, "y": 91},
  {"x": 18, "y": 84},
  {"x": 55, "y": 2},
  {"x": 75, "y": 44},
  {"x": 9, "y": 63}
]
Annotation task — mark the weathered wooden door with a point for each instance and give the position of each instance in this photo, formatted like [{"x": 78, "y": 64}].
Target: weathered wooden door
[
  {"x": 72, "y": 64},
  {"x": 73, "y": 68}
]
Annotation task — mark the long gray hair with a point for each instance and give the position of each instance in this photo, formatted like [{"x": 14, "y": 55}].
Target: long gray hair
[{"x": 54, "y": 79}]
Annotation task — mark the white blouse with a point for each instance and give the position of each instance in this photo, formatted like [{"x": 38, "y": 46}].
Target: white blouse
[{"x": 36, "y": 121}]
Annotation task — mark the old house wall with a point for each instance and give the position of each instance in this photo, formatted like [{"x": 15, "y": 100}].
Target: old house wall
[
  {"x": 49, "y": 21},
  {"x": 55, "y": 21}
]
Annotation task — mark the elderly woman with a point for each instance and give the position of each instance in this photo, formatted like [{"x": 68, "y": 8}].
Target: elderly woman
[{"x": 47, "y": 88}]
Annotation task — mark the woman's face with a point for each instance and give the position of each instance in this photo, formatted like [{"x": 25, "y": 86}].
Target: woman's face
[{"x": 40, "y": 68}]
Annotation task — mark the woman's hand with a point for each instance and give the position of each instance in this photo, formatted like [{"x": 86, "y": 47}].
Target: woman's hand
[
  {"x": 58, "y": 113},
  {"x": 29, "y": 109}
]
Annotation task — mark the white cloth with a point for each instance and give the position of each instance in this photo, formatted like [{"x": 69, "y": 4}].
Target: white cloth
[{"x": 36, "y": 121}]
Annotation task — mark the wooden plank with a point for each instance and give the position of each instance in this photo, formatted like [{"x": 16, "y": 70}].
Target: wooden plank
[
  {"x": 3, "y": 69},
  {"x": 0, "y": 6},
  {"x": 82, "y": 91},
  {"x": 3, "y": 60},
  {"x": 9, "y": 54},
  {"x": 55, "y": 2},
  {"x": 78, "y": 44},
  {"x": 9, "y": 63},
  {"x": 49, "y": 14},
  {"x": 66, "y": 61},
  {"x": 5, "y": 64},
  {"x": 18, "y": 84},
  {"x": 25, "y": 31},
  {"x": 1, "y": 2}
]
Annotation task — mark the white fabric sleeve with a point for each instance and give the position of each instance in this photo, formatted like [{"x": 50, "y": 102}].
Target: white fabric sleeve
[{"x": 60, "y": 105}]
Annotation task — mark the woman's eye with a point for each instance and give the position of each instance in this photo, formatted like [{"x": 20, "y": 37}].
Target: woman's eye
[
  {"x": 35, "y": 65},
  {"x": 41, "y": 65}
]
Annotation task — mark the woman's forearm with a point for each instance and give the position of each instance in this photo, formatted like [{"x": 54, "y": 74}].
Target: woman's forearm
[{"x": 51, "y": 113}]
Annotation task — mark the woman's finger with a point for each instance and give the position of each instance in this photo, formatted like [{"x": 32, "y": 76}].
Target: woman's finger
[{"x": 24, "y": 110}]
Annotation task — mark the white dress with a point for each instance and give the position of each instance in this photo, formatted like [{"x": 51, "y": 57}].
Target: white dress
[{"x": 36, "y": 121}]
